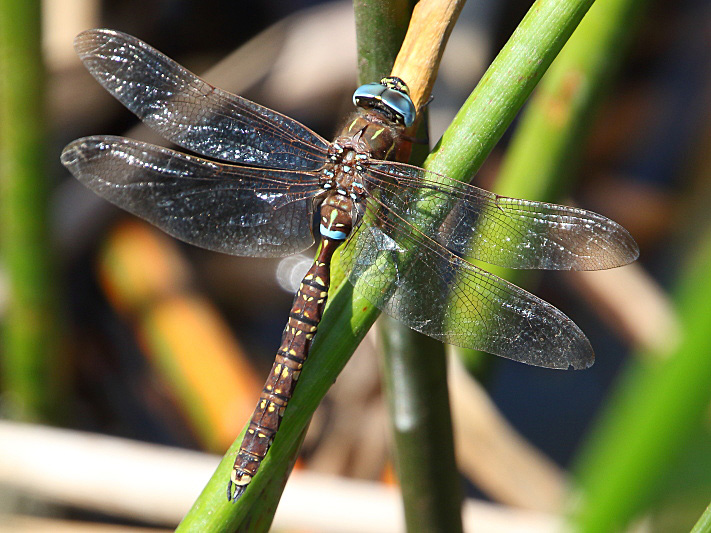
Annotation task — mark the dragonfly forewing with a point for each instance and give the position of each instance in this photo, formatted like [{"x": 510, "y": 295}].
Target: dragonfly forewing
[
  {"x": 227, "y": 208},
  {"x": 499, "y": 230},
  {"x": 190, "y": 112}
]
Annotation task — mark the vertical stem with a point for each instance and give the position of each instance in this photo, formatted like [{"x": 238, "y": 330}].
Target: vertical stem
[
  {"x": 413, "y": 366},
  {"x": 415, "y": 381},
  {"x": 380, "y": 29},
  {"x": 29, "y": 332}
]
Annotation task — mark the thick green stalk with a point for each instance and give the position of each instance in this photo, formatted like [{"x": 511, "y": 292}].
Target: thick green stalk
[
  {"x": 414, "y": 370},
  {"x": 413, "y": 366},
  {"x": 477, "y": 127},
  {"x": 415, "y": 382},
  {"x": 380, "y": 29},
  {"x": 29, "y": 347},
  {"x": 655, "y": 410}
]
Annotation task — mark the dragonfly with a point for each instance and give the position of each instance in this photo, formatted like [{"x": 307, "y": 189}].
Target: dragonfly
[{"x": 406, "y": 236}]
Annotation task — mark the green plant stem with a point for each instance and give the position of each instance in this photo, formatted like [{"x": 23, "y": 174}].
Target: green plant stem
[
  {"x": 414, "y": 370},
  {"x": 653, "y": 412},
  {"x": 465, "y": 145},
  {"x": 704, "y": 523},
  {"x": 380, "y": 29},
  {"x": 29, "y": 353},
  {"x": 415, "y": 382},
  {"x": 505, "y": 86},
  {"x": 413, "y": 366}
]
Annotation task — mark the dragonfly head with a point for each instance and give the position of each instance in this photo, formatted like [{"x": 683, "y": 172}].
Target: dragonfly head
[{"x": 391, "y": 97}]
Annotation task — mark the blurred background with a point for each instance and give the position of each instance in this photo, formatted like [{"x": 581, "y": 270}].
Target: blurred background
[{"x": 125, "y": 332}]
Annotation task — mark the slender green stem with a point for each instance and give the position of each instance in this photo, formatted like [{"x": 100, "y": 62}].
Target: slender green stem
[
  {"x": 465, "y": 145},
  {"x": 30, "y": 360}
]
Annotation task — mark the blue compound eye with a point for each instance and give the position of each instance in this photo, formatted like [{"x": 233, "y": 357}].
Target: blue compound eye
[{"x": 390, "y": 98}]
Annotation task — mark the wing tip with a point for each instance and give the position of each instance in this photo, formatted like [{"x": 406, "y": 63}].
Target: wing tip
[
  {"x": 580, "y": 356},
  {"x": 86, "y": 42},
  {"x": 79, "y": 151},
  {"x": 574, "y": 350},
  {"x": 583, "y": 363},
  {"x": 70, "y": 153},
  {"x": 622, "y": 246},
  {"x": 87, "y": 36},
  {"x": 67, "y": 156},
  {"x": 617, "y": 250},
  {"x": 628, "y": 246}
]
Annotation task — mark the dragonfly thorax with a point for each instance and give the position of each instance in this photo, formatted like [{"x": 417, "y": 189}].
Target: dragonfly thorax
[{"x": 343, "y": 173}]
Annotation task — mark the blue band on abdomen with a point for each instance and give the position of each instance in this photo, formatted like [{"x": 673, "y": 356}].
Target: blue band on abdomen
[{"x": 334, "y": 235}]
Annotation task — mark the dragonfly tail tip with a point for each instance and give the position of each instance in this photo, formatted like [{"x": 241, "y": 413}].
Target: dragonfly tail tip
[{"x": 233, "y": 496}]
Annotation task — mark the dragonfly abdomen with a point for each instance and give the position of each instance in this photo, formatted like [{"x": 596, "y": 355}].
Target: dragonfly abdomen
[
  {"x": 303, "y": 322},
  {"x": 304, "y": 318}
]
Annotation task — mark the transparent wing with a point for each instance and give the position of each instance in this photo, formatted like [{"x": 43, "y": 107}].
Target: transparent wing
[
  {"x": 499, "y": 230},
  {"x": 417, "y": 281},
  {"x": 192, "y": 113},
  {"x": 227, "y": 208}
]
